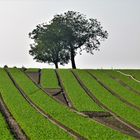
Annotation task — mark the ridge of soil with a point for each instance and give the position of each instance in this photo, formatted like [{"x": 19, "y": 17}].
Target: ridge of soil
[
  {"x": 43, "y": 113},
  {"x": 135, "y": 131},
  {"x": 14, "y": 127}
]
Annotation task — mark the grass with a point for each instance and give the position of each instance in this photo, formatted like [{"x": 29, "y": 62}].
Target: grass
[
  {"x": 32, "y": 70},
  {"x": 130, "y": 82},
  {"x": 108, "y": 99},
  {"x": 4, "y": 131},
  {"x": 134, "y": 73},
  {"x": 49, "y": 79},
  {"x": 77, "y": 95},
  {"x": 84, "y": 126},
  {"x": 118, "y": 88},
  {"x": 34, "y": 125}
]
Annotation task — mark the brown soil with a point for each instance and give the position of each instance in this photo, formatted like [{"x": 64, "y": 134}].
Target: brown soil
[
  {"x": 53, "y": 91},
  {"x": 57, "y": 94},
  {"x": 61, "y": 98},
  {"x": 34, "y": 76},
  {"x": 109, "y": 120},
  {"x": 14, "y": 127},
  {"x": 97, "y": 114}
]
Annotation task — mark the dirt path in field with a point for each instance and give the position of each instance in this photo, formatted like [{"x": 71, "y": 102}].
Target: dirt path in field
[
  {"x": 15, "y": 129},
  {"x": 123, "y": 84},
  {"x": 35, "y": 76},
  {"x": 114, "y": 121},
  {"x": 115, "y": 94},
  {"x": 130, "y": 76},
  {"x": 43, "y": 113}
]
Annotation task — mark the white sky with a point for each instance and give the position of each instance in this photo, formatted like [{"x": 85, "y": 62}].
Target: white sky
[{"x": 121, "y": 18}]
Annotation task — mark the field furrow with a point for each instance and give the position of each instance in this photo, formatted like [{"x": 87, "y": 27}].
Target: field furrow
[
  {"x": 124, "y": 93},
  {"x": 130, "y": 84},
  {"x": 76, "y": 94},
  {"x": 34, "y": 125},
  {"x": 4, "y": 131},
  {"x": 130, "y": 115},
  {"x": 84, "y": 126}
]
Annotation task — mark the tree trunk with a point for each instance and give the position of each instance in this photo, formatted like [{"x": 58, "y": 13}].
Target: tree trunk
[
  {"x": 56, "y": 65},
  {"x": 73, "y": 59}
]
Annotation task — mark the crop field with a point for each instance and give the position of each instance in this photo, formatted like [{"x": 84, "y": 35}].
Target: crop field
[{"x": 63, "y": 104}]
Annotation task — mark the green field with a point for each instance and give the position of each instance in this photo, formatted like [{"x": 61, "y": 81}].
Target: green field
[{"x": 27, "y": 102}]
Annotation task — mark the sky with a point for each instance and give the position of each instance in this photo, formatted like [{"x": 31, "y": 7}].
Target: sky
[{"x": 121, "y": 18}]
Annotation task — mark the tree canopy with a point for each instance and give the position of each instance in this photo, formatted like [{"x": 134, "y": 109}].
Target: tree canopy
[{"x": 65, "y": 36}]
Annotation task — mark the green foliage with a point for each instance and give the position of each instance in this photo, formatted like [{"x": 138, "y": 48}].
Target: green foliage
[
  {"x": 84, "y": 126},
  {"x": 119, "y": 89},
  {"x": 121, "y": 109},
  {"x": 77, "y": 95},
  {"x": 125, "y": 79},
  {"x": 80, "y": 33},
  {"x": 34, "y": 124},
  {"x": 49, "y": 79},
  {"x": 67, "y": 33},
  {"x": 32, "y": 70},
  {"x": 48, "y": 46},
  {"x": 4, "y": 132},
  {"x": 134, "y": 73}
]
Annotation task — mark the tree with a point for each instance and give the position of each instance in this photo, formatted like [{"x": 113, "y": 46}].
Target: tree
[
  {"x": 80, "y": 33},
  {"x": 48, "y": 46}
]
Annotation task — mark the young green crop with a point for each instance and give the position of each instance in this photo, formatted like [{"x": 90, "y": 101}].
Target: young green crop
[
  {"x": 4, "y": 131},
  {"x": 108, "y": 99},
  {"x": 84, "y": 126},
  {"x": 49, "y": 78},
  {"x": 130, "y": 82},
  {"x": 118, "y": 88},
  {"x": 134, "y": 73},
  {"x": 77, "y": 95},
  {"x": 34, "y": 124},
  {"x": 32, "y": 70}
]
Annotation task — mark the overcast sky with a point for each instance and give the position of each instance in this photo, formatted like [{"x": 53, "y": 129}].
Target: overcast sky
[{"x": 121, "y": 18}]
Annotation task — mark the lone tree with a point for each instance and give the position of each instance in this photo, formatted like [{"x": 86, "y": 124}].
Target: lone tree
[
  {"x": 80, "y": 33},
  {"x": 48, "y": 46},
  {"x": 65, "y": 36}
]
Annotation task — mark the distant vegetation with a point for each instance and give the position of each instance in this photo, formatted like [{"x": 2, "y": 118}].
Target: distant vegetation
[{"x": 65, "y": 36}]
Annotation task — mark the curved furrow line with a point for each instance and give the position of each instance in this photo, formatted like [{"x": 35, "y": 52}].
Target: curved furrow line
[
  {"x": 95, "y": 99},
  {"x": 15, "y": 128},
  {"x": 43, "y": 113}
]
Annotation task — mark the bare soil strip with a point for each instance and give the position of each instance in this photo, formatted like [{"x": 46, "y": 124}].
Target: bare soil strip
[
  {"x": 124, "y": 84},
  {"x": 128, "y": 75},
  {"x": 35, "y": 76},
  {"x": 120, "y": 121},
  {"x": 13, "y": 125},
  {"x": 116, "y": 95},
  {"x": 43, "y": 113},
  {"x": 57, "y": 94},
  {"x": 60, "y": 82}
]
